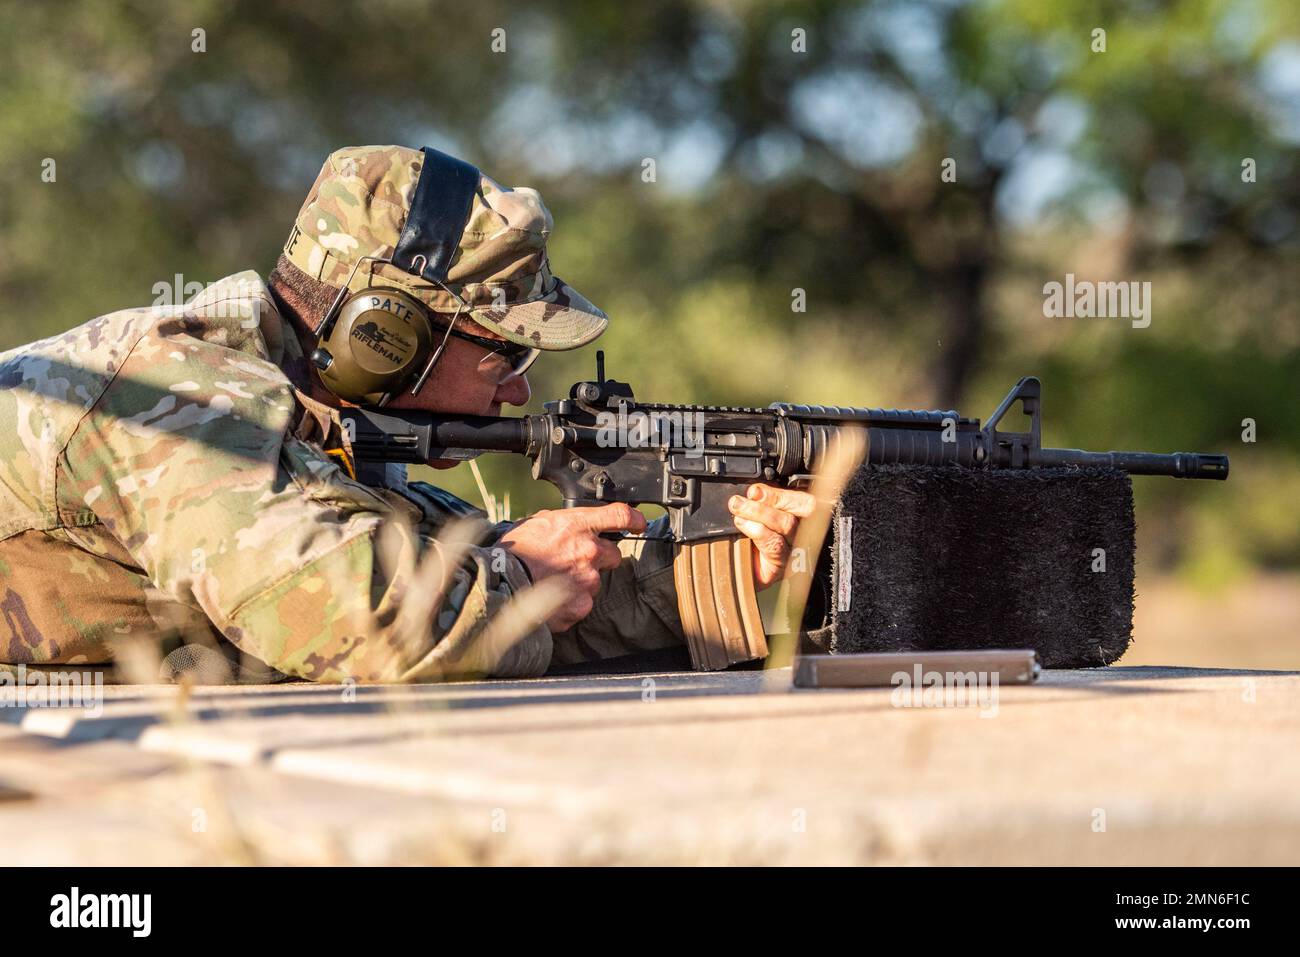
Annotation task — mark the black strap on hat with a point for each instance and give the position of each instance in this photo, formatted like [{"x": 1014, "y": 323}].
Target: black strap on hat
[{"x": 440, "y": 208}]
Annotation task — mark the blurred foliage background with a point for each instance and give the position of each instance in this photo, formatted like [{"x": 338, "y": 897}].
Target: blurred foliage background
[{"x": 776, "y": 170}]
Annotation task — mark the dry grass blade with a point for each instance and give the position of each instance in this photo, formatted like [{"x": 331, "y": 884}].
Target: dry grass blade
[
  {"x": 843, "y": 456},
  {"x": 138, "y": 661},
  {"x": 430, "y": 582},
  {"x": 489, "y": 500},
  {"x": 511, "y": 623},
  {"x": 406, "y": 621}
]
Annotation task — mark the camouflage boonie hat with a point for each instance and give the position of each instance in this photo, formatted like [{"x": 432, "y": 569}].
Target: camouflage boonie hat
[{"x": 358, "y": 207}]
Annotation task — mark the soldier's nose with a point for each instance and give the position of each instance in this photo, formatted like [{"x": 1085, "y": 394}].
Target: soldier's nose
[{"x": 514, "y": 391}]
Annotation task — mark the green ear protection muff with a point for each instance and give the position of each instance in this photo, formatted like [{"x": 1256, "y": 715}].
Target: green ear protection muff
[
  {"x": 373, "y": 344},
  {"x": 378, "y": 341}
]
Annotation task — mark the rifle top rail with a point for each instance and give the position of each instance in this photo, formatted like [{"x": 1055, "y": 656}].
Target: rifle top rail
[{"x": 738, "y": 442}]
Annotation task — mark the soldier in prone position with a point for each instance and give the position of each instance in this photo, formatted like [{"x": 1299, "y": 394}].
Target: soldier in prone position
[{"x": 180, "y": 474}]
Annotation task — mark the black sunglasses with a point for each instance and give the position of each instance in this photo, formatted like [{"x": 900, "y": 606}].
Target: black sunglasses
[
  {"x": 512, "y": 358},
  {"x": 508, "y": 349}
]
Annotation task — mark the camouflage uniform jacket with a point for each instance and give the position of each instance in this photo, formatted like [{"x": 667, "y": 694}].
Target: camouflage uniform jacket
[{"x": 163, "y": 475}]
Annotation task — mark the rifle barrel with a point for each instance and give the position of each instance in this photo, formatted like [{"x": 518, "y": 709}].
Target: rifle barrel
[
  {"x": 1193, "y": 465},
  {"x": 395, "y": 435}
]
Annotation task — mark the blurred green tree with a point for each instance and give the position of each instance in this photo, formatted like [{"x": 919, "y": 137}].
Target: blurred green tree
[{"x": 913, "y": 172}]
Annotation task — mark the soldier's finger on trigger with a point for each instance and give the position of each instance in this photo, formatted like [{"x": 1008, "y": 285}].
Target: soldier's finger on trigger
[
  {"x": 783, "y": 523},
  {"x": 615, "y": 517}
]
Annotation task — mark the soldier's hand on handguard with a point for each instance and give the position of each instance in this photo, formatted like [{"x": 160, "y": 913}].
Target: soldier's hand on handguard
[
  {"x": 770, "y": 516},
  {"x": 567, "y": 543}
]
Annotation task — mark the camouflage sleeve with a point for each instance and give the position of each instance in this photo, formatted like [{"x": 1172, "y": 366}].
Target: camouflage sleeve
[
  {"x": 188, "y": 461},
  {"x": 636, "y": 609}
]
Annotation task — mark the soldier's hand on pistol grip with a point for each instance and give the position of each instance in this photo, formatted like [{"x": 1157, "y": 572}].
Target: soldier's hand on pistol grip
[{"x": 567, "y": 544}]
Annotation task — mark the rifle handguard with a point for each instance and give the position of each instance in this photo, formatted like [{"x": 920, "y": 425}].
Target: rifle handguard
[{"x": 718, "y": 603}]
